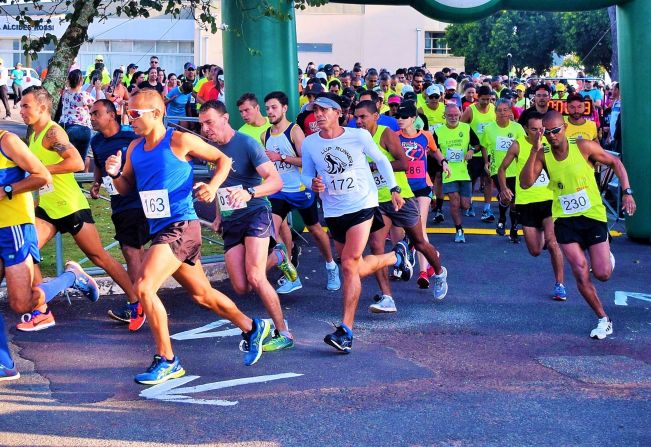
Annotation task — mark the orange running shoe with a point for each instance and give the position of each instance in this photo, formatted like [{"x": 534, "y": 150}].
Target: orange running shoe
[
  {"x": 138, "y": 317},
  {"x": 36, "y": 321}
]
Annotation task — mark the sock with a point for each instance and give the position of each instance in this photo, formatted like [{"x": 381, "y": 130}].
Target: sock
[
  {"x": 280, "y": 256},
  {"x": 331, "y": 265},
  {"x": 169, "y": 360},
  {"x": 502, "y": 213},
  {"x": 5, "y": 355},
  {"x": 286, "y": 334},
  {"x": 458, "y": 227},
  {"x": 514, "y": 219},
  {"x": 134, "y": 306},
  {"x": 487, "y": 206},
  {"x": 57, "y": 285},
  {"x": 439, "y": 204}
]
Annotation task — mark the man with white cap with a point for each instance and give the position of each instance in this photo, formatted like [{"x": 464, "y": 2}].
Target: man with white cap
[{"x": 336, "y": 167}]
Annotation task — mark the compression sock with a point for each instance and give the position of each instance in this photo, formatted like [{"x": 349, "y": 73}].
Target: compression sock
[{"x": 57, "y": 285}]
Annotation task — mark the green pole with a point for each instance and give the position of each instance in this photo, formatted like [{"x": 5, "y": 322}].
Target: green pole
[
  {"x": 634, "y": 41},
  {"x": 259, "y": 53}
]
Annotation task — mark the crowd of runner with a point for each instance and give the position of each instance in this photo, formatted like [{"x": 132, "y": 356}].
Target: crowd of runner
[{"x": 374, "y": 152}]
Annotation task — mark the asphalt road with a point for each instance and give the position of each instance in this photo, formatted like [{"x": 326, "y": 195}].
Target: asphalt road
[{"x": 497, "y": 363}]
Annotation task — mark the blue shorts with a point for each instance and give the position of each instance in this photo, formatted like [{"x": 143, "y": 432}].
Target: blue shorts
[
  {"x": 462, "y": 187},
  {"x": 17, "y": 243},
  {"x": 282, "y": 203}
]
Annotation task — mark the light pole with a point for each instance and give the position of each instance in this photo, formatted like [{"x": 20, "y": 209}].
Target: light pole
[{"x": 508, "y": 64}]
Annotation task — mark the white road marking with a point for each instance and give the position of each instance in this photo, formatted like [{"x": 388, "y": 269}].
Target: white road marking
[{"x": 621, "y": 298}]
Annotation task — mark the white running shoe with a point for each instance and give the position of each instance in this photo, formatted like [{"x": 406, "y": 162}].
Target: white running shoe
[
  {"x": 441, "y": 284},
  {"x": 334, "y": 283},
  {"x": 604, "y": 328},
  {"x": 289, "y": 286},
  {"x": 384, "y": 304},
  {"x": 612, "y": 261}
]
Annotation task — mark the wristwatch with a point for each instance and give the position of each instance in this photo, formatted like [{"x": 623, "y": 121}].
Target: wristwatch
[
  {"x": 251, "y": 191},
  {"x": 9, "y": 191},
  {"x": 283, "y": 157},
  {"x": 627, "y": 191},
  {"x": 396, "y": 189}
]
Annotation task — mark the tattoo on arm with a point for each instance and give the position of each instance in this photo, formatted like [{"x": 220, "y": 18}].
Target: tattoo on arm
[{"x": 59, "y": 143}]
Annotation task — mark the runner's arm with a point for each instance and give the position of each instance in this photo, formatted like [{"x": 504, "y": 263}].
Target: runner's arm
[
  {"x": 534, "y": 165},
  {"x": 124, "y": 180},
  {"x": 381, "y": 161},
  {"x": 466, "y": 116},
  {"x": 391, "y": 142},
  {"x": 201, "y": 150},
  {"x": 511, "y": 154},
  {"x": 18, "y": 151},
  {"x": 57, "y": 140},
  {"x": 298, "y": 136}
]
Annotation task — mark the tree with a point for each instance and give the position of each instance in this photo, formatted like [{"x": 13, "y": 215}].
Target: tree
[
  {"x": 588, "y": 34},
  {"x": 79, "y": 14},
  {"x": 530, "y": 37}
]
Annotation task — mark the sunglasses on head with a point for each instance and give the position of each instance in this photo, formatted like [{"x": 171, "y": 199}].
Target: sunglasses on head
[
  {"x": 134, "y": 114},
  {"x": 553, "y": 131}
]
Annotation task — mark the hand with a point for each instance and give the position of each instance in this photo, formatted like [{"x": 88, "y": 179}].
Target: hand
[
  {"x": 217, "y": 224},
  {"x": 469, "y": 156},
  {"x": 628, "y": 204},
  {"x": 506, "y": 195},
  {"x": 113, "y": 164},
  {"x": 317, "y": 184},
  {"x": 397, "y": 200},
  {"x": 98, "y": 84},
  {"x": 204, "y": 192},
  {"x": 487, "y": 168},
  {"x": 238, "y": 197},
  {"x": 537, "y": 142},
  {"x": 94, "y": 190},
  {"x": 447, "y": 171},
  {"x": 273, "y": 156}
]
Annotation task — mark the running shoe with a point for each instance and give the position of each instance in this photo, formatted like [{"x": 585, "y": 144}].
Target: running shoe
[
  {"x": 441, "y": 284},
  {"x": 254, "y": 340},
  {"x": 423, "y": 280},
  {"x": 286, "y": 265},
  {"x": 334, "y": 283},
  {"x": 137, "y": 317},
  {"x": 383, "y": 304},
  {"x": 560, "y": 294},
  {"x": 404, "y": 265},
  {"x": 36, "y": 321},
  {"x": 438, "y": 216},
  {"x": 612, "y": 261},
  {"x": 500, "y": 229},
  {"x": 470, "y": 212},
  {"x": 513, "y": 236},
  {"x": 161, "y": 370},
  {"x": 83, "y": 281},
  {"x": 123, "y": 314},
  {"x": 7, "y": 373},
  {"x": 278, "y": 342},
  {"x": 341, "y": 339},
  {"x": 289, "y": 286},
  {"x": 460, "y": 237},
  {"x": 603, "y": 329},
  {"x": 296, "y": 254},
  {"x": 487, "y": 216}
]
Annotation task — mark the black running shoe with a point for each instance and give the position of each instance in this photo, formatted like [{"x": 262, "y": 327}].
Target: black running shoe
[{"x": 341, "y": 339}]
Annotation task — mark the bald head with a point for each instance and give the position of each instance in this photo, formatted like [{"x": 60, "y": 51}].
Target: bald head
[
  {"x": 552, "y": 119},
  {"x": 149, "y": 97}
]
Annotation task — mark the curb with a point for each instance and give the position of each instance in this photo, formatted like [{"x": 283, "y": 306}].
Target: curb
[{"x": 215, "y": 272}]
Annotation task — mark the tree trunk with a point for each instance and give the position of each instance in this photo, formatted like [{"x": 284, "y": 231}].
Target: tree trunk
[
  {"x": 614, "y": 59},
  {"x": 68, "y": 46}
]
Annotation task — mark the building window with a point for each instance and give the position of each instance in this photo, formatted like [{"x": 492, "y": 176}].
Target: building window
[{"x": 435, "y": 43}]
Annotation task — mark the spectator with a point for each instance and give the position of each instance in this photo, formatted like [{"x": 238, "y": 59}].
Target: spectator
[
  {"x": 152, "y": 81},
  {"x": 137, "y": 79},
  {"x": 4, "y": 77},
  {"x": 176, "y": 100},
  {"x": 75, "y": 112},
  {"x": 117, "y": 93},
  {"x": 17, "y": 76}
]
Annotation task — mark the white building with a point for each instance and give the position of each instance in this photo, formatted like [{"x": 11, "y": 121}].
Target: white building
[{"x": 377, "y": 36}]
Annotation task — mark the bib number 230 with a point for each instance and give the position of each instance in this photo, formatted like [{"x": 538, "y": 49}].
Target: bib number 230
[
  {"x": 575, "y": 203},
  {"x": 155, "y": 203}
]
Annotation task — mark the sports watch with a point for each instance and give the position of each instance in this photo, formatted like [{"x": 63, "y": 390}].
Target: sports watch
[
  {"x": 283, "y": 157},
  {"x": 627, "y": 191},
  {"x": 251, "y": 191},
  {"x": 9, "y": 191},
  {"x": 396, "y": 189}
]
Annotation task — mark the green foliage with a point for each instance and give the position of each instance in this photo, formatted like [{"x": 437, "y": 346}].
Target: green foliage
[{"x": 581, "y": 32}]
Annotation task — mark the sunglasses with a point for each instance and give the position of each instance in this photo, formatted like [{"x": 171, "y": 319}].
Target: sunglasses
[
  {"x": 434, "y": 96},
  {"x": 553, "y": 131},
  {"x": 134, "y": 114},
  {"x": 403, "y": 116}
]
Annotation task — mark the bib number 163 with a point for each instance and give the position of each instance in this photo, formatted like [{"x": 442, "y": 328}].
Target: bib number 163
[{"x": 155, "y": 203}]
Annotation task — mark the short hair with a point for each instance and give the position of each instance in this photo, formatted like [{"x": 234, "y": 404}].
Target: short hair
[
  {"x": 552, "y": 115},
  {"x": 215, "y": 105},
  {"x": 151, "y": 94},
  {"x": 452, "y": 105},
  {"x": 543, "y": 86},
  {"x": 385, "y": 77},
  {"x": 108, "y": 105},
  {"x": 153, "y": 57},
  {"x": 335, "y": 81},
  {"x": 372, "y": 93},
  {"x": 503, "y": 101},
  {"x": 278, "y": 95},
  {"x": 247, "y": 97},
  {"x": 483, "y": 90},
  {"x": 531, "y": 114},
  {"x": 75, "y": 77},
  {"x": 574, "y": 97},
  {"x": 41, "y": 95},
  {"x": 368, "y": 105}
]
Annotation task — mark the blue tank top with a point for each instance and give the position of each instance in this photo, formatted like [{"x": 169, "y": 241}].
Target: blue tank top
[
  {"x": 416, "y": 148},
  {"x": 164, "y": 183}
]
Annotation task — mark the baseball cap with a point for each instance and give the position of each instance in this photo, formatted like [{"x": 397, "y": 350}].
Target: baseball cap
[
  {"x": 409, "y": 95},
  {"x": 348, "y": 92},
  {"x": 321, "y": 75},
  {"x": 450, "y": 84},
  {"x": 315, "y": 88},
  {"x": 560, "y": 87},
  {"x": 189, "y": 66},
  {"x": 328, "y": 69},
  {"x": 507, "y": 94},
  {"x": 99, "y": 57},
  {"x": 407, "y": 109},
  {"x": 432, "y": 90},
  {"x": 394, "y": 99},
  {"x": 328, "y": 101},
  {"x": 407, "y": 89},
  {"x": 496, "y": 79},
  {"x": 520, "y": 87},
  {"x": 130, "y": 66}
]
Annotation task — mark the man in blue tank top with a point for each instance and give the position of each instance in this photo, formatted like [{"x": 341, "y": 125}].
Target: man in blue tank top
[
  {"x": 158, "y": 167},
  {"x": 244, "y": 215}
]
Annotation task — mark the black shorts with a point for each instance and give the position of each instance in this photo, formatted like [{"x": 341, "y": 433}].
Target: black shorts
[
  {"x": 340, "y": 225},
  {"x": 510, "y": 183},
  {"x": 533, "y": 214},
  {"x": 406, "y": 217},
  {"x": 72, "y": 223},
  {"x": 423, "y": 192},
  {"x": 580, "y": 229},
  {"x": 131, "y": 228},
  {"x": 254, "y": 224},
  {"x": 184, "y": 238},
  {"x": 476, "y": 168},
  {"x": 282, "y": 208}
]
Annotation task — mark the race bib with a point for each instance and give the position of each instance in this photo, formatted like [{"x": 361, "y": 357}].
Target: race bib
[
  {"x": 341, "y": 184},
  {"x": 542, "y": 180},
  {"x": 223, "y": 195},
  {"x": 503, "y": 144},
  {"x": 455, "y": 155},
  {"x": 107, "y": 182},
  {"x": 435, "y": 126},
  {"x": 155, "y": 203},
  {"x": 575, "y": 203},
  {"x": 416, "y": 169},
  {"x": 480, "y": 128},
  {"x": 46, "y": 189},
  {"x": 380, "y": 182},
  {"x": 283, "y": 166}
]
